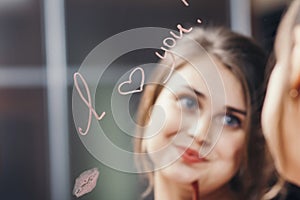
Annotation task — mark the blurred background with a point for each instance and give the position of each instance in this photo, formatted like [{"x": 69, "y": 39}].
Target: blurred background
[{"x": 43, "y": 42}]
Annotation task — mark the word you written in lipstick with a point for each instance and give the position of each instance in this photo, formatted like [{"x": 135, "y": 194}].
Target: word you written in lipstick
[
  {"x": 86, "y": 182},
  {"x": 88, "y": 103},
  {"x": 170, "y": 42}
]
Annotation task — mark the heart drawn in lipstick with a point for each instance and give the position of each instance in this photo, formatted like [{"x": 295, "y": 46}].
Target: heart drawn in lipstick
[{"x": 130, "y": 81}]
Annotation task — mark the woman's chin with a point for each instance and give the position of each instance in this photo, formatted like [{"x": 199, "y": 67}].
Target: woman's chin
[{"x": 181, "y": 173}]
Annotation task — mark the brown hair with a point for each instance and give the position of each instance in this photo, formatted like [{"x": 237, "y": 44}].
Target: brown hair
[{"x": 247, "y": 61}]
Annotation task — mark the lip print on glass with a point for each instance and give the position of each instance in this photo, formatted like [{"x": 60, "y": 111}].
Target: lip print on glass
[{"x": 86, "y": 182}]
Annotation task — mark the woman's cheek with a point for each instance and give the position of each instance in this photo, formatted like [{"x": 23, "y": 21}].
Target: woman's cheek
[
  {"x": 173, "y": 122},
  {"x": 163, "y": 126},
  {"x": 230, "y": 147}
]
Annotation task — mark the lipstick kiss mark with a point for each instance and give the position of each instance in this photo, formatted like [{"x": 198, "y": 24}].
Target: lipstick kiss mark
[
  {"x": 130, "y": 81},
  {"x": 86, "y": 182}
]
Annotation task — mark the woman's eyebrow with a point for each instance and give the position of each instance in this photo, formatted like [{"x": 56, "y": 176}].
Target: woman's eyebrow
[
  {"x": 198, "y": 93},
  {"x": 232, "y": 109}
]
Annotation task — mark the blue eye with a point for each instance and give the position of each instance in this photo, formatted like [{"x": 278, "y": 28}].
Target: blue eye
[
  {"x": 232, "y": 121},
  {"x": 188, "y": 103}
]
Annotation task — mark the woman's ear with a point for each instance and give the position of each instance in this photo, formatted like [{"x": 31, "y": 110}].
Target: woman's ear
[{"x": 295, "y": 61}]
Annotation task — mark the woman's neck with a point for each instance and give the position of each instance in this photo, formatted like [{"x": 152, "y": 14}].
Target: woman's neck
[
  {"x": 223, "y": 193},
  {"x": 164, "y": 189}
]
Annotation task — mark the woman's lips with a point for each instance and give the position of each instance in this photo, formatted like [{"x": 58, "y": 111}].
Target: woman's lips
[{"x": 190, "y": 155}]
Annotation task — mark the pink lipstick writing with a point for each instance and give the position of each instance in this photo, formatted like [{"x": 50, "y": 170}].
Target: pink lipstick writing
[
  {"x": 87, "y": 102},
  {"x": 185, "y": 2},
  {"x": 170, "y": 43}
]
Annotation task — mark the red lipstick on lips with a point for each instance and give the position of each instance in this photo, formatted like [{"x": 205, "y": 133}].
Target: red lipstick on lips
[{"x": 190, "y": 155}]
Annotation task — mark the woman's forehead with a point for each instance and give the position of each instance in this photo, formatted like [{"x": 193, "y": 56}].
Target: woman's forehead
[{"x": 202, "y": 78}]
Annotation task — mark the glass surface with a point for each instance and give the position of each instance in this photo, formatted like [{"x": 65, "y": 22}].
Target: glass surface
[{"x": 89, "y": 22}]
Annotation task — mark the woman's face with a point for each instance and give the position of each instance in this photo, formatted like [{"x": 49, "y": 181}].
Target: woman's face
[
  {"x": 281, "y": 111},
  {"x": 174, "y": 145}
]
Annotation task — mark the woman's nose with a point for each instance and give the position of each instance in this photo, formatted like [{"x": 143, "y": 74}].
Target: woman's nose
[{"x": 199, "y": 129}]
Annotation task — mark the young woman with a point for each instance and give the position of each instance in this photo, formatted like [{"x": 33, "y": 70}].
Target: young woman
[
  {"x": 202, "y": 141},
  {"x": 281, "y": 113}
]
